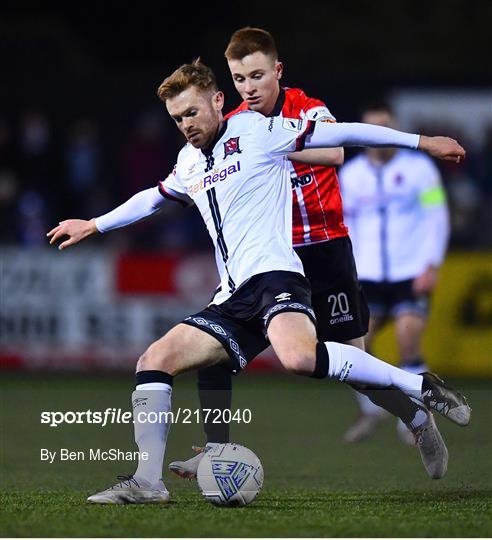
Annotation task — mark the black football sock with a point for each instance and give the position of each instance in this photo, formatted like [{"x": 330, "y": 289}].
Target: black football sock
[
  {"x": 215, "y": 392},
  {"x": 392, "y": 400}
]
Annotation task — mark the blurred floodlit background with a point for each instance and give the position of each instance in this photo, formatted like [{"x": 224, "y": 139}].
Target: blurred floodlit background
[{"x": 81, "y": 129}]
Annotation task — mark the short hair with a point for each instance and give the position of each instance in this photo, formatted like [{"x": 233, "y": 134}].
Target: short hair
[
  {"x": 249, "y": 40},
  {"x": 194, "y": 74}
]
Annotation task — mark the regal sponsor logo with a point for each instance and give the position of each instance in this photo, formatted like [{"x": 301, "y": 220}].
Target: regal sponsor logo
[{"x": 217, "y": 175}]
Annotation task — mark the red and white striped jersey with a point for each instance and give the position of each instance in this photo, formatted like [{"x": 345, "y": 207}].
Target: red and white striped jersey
[{"x": 317, "y": 213}]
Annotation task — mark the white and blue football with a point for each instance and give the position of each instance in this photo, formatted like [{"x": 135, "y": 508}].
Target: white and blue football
[{"x": 230, "y": 475}]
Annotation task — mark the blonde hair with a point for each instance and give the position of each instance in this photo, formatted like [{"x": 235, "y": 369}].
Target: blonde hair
[
  {"x": 194, "y": 74},
  {"x": 249, "y": 40}
]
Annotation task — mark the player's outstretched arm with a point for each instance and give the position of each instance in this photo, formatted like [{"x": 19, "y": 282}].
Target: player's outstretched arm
[
  {"x": 357, "y": 134},
  {"x": 140, "y": 206},
  {"x": 442, "y": 148},
  {"x": 326, "y": 157},
  {"x": 75, "y": 229}
]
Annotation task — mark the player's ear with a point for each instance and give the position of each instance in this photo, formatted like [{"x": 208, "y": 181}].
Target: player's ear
[
  {"x": 218, "y": 101},
  {"x": 279, "y": 70}
]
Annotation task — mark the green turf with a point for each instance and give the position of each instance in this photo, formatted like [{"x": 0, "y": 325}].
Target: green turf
[{"x": 314, "y": 484}]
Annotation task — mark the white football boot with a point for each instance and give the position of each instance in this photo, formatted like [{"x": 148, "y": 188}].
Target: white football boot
[
  {"x": 189, "y": 468},
  {"x": 432, "y": 448},
  {"x": 130, "y": 491}
]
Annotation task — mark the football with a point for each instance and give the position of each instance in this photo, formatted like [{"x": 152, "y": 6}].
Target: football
[{"x": 230, "y": 475}]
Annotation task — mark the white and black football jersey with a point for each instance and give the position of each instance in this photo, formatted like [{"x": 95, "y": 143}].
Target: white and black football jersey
[{"x": 242, "y": 189}]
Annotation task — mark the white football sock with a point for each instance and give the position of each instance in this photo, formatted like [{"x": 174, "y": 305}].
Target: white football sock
[
  {"x": 151, "y": 436},
  {"x": 350, "y": 364}
]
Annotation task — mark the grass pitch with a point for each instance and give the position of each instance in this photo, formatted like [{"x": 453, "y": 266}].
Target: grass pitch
[{"x": 314, "y": 484}]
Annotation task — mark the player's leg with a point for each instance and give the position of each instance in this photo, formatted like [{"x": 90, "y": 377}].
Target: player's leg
[
  {"x": 376, "y": 403},
  {"x": 182, "y": 349},
  {"x": 341, "y": 310},
  {"x": 341, "y": 307},
  {"x": 370, "y": 415},
  {"x": 410, "y": 314},
  {"x": 242, "y": 340},
  {"x": 409, "y": 328},
  {"x": 293, "y": 338},
  {"x": 215, "y": 394}
]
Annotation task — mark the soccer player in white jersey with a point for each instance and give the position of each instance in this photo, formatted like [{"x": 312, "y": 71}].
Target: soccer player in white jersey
[
  {"x": 321, "y": 241},
  {"x": 238, "y": 175},
  {"x": 396, "y": 210}
]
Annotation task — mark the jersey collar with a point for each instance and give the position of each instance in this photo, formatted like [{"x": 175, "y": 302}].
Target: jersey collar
[
  {"x": 210, "y": 148},
  {"x": 279, "y": 104}
]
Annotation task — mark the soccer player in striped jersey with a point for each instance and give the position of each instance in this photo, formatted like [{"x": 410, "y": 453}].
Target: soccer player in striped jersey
[
  {"x": 237, "y": 174},
  {"x": 320, "y": 238}
]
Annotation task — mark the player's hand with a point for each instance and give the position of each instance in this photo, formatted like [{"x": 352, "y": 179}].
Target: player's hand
[
  {"x": 425, "y": 283},
  {"x": 442, "y": 148},
  {"x": 75, "y": 229}
]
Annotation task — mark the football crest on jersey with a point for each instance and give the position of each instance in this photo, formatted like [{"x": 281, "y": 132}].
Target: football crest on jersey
[
  {"x": 292, "y": 124},
  {"x": 231, "y": 146}
]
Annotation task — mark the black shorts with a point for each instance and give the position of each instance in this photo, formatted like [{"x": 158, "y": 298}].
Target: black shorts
[
  {"x": 241, "y": 322},
  {"x": 337, "y": 298},
  {"x": 390, "y": 299}
]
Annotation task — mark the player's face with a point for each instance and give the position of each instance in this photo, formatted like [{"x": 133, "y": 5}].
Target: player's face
[
  {"x": 256, "y": 77},
  {"x": 379, "y": 118},
  {"x": 197, "y": 113}
]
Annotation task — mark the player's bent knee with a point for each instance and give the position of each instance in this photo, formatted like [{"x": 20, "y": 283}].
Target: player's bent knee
[
  {"x": 156, "y": 357},
  {"x": 299, "y": 363}
]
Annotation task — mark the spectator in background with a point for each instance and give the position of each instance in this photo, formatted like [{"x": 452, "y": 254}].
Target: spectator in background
[
  {"x": 9, "y": 184},
  {"x": 145, "y": 155},
  {"x": 150, "y": 153},
  {"x": 32, "y": 219},
  {"x": 39, "y": 178},
  {"x": 36, "y": 158},
  {"x": 395, "y": 208},
  {"x": 83, "y": 166}
]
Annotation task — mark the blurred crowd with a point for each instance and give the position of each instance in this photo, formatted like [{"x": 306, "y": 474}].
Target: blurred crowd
[{"x": 48, "y": 174}]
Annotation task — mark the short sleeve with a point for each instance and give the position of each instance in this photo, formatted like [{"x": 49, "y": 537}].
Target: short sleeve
[
  {"x": 319, "y": 112},
  {"x": 279, "y": 136},
  {"x": 171, "y": 188}
]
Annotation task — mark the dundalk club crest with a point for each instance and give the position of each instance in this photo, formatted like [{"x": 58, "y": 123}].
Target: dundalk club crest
[{"x": 231, "y": 146}]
